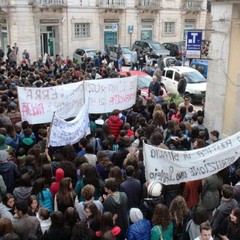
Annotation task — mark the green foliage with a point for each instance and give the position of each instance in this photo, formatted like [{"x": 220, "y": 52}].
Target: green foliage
[{"x": 173, "y": 97}]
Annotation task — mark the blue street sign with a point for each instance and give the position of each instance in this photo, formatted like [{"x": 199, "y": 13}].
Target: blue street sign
[
  {"x": 130, "y": 28},
  {"x": 114, "y": 27},
  {"x": 194, "y": 41}
]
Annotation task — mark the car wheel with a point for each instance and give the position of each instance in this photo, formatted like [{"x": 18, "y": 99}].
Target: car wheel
[{"x": 123, "y": 62}]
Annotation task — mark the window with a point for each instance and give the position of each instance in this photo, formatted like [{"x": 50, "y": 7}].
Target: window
[
  {"x": 169, "y": 74},
  {"x": 82, "y": 29},
  {"x": 169, "y": 28},
  {"x": 177, "y": 76},
  {"x": 146, "y": 32}
]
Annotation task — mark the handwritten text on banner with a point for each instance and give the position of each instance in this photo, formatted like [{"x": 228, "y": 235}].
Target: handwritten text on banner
[
  {"x": 37, "y": 105},
  {"x": 172, "y": 167},
  {"x": 63, "y": 132}
]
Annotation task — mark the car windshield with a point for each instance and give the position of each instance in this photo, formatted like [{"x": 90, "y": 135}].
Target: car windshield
[
  {"x": 156, "y": 46},
  {"x": 194, "y": 77},
  {"x": 91, "y": 53},
  {"x": 126, "y": 50},
  {"x": 143, "y": 81}
]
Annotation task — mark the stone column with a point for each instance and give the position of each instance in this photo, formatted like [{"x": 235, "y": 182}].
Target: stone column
[{"x": 223, "y": 88}]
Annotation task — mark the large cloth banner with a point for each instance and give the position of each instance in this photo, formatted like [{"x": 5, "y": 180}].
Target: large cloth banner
[
  {"x": 37, "y": 105},
  {"x": 63, "y": 132},
  {"x": 172, "y": 167}
]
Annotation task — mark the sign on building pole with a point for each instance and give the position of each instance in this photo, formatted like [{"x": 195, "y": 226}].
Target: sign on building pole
[
  {"x": 114, "y": 27},
  {"x": 194, "y": 41}
]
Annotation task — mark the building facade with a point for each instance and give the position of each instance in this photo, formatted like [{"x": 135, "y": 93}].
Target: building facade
[
  {"x": 61, "y": 26},
  {"x": 223, "y": 86}
]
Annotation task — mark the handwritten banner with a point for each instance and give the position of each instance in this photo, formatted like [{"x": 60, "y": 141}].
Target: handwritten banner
[
  {"x": 37, "y": 105},
  {"x": 112, "y": 93},
  {"x": 172, "y": 167},
  {"x": 63, "y": 132}
]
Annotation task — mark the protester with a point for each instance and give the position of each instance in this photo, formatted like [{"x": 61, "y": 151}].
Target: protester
[
  {"x": 26, "y": 224},
  {"x": 230, "y": 226},
  {"x": 205, "y": 232},
  {"x": 162, "y": 224},
  {"x": 116, "y": 150},
  {"x": 182, "y": 84},
  {"x": 140, "y": 228},
  {"x": 116, "y": 202}
]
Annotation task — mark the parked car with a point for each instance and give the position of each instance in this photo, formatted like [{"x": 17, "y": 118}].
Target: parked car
[
  {"x": 156, "y": 47},
  {"x": 168, "y": 62},
  {"x": 201, "y": 65},
  {"x": 80, "y": 52},
  {"x": 196, "y": 83},
  {"x": 176, "y": 49},
  {"x": 143, "y": 81},
  {"x": 126, "y": 52}
]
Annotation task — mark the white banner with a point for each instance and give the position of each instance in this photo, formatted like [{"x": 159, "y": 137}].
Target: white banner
[
  {"x": 172, "y": 167},
  {"x": 37, "y": 105},
  {"x": 112, "y": 93},
  {"x": 63, "y": 132}
]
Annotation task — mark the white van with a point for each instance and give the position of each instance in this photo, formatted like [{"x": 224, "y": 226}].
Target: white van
[{"x": 196, "y": 83}]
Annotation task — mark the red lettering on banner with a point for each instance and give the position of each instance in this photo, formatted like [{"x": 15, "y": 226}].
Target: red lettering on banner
[
  {"x": 119, "y": 99},
  {"x": 29, "y": 109}
]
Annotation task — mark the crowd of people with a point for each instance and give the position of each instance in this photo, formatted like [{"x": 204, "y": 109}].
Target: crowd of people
[{"x": 96, "y": 188}]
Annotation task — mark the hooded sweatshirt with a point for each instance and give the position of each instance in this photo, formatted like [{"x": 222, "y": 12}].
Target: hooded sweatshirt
[
  {"x": 8, "y": 170},
  {"x": 117, "y": 204},
  {"x": 5, "y": 212},
  {"x": 115, "y": 124},
  {"x": 55, "y": 186},
  {"x": 22, "y": 193}
]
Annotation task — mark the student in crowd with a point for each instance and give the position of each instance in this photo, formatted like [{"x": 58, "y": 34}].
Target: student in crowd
[{"x": 205, "y": 232}]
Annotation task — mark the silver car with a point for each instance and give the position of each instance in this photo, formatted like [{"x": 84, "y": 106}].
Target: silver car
[
  {"x": 154, "y": 48},
  {"x": 80, "y": 53},
  {"x": 126, "y": 53}
]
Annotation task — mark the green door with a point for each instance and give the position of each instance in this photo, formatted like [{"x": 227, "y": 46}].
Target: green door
[{"x": 110, "y": 38}]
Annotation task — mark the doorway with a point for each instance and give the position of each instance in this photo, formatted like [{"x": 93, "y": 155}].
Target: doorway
[
  {"x": 110, "y": 36},
  {"x": 47, "y": 40}
]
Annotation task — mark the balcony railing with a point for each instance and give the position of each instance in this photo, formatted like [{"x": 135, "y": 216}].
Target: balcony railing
[
  {"x": 49, "y": 3},
  {"x": 116, "y": 4},
  {"x": 3, "y": 3},
  {"x": 149, "y": 4},
  {"x": 193, "y": 5}
]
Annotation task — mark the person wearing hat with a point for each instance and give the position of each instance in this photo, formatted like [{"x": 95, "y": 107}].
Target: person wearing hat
[
  {"x": 8, "y": 170},
  {"x": 152, "y": 196},
  {"x": 141, "y": 227}
]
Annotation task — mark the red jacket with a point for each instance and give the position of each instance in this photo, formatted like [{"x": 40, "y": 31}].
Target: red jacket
[
  {"x": 115, "y": 124},
  {"x": 191, "y": 192}
]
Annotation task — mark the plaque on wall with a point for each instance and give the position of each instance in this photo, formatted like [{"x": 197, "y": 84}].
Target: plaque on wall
[
  {"x": 44, "y": 21},
  {"x": 111, "y": 20}
]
